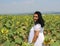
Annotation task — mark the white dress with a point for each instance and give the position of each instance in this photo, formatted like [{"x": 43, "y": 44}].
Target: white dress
[{"x": 40, "y": 38}]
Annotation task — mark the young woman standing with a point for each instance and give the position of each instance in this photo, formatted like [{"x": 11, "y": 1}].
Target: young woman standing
[{"x": 36, "y": 35}]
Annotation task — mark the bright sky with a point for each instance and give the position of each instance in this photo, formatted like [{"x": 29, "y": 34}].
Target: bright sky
[{"x": 27, "y": 6}]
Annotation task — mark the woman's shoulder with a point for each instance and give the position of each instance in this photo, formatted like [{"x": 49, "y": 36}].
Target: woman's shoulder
[{"x": 38, "y": 25}]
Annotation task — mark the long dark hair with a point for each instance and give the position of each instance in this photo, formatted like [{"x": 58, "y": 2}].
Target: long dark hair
[{"x": 40, "y": 19}]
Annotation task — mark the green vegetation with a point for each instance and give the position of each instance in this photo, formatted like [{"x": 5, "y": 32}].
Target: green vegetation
[{"x": 14, "y": 30}]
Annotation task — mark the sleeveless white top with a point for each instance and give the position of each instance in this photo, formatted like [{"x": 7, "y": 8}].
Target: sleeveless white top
[{"x": 40, "y": 38}]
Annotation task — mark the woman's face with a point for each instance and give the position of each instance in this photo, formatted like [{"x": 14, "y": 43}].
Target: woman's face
[{"x": 35, "y": 17}]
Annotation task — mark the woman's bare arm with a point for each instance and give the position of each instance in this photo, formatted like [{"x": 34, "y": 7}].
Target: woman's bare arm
[{"x": 36, "y": 33}]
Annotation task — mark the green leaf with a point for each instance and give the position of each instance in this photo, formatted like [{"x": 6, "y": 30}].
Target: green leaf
[
  {"x": 18, "y": 40},
  {"x": 55, "y": 44},
  {"x": 12, "y": 44},
  {"x": 7, "y": 43}
]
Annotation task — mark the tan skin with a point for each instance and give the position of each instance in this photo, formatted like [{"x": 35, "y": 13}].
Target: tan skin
[{"x": 36, "y": 33}]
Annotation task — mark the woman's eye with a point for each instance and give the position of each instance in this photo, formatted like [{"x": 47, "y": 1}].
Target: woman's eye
[{"x": 35, "y": 16}]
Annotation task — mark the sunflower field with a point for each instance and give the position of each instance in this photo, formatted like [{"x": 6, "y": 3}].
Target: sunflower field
[{"x": 14, "y": 29}]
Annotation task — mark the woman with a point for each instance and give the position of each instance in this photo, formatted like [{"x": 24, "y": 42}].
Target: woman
[{"x": 36, "y": 35}]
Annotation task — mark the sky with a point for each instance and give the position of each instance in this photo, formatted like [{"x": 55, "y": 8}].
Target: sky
[{"x": 28, "y": 6}]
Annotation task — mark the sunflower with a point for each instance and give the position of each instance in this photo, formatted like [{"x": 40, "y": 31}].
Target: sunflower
[{"x": 4, "y": 31}]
